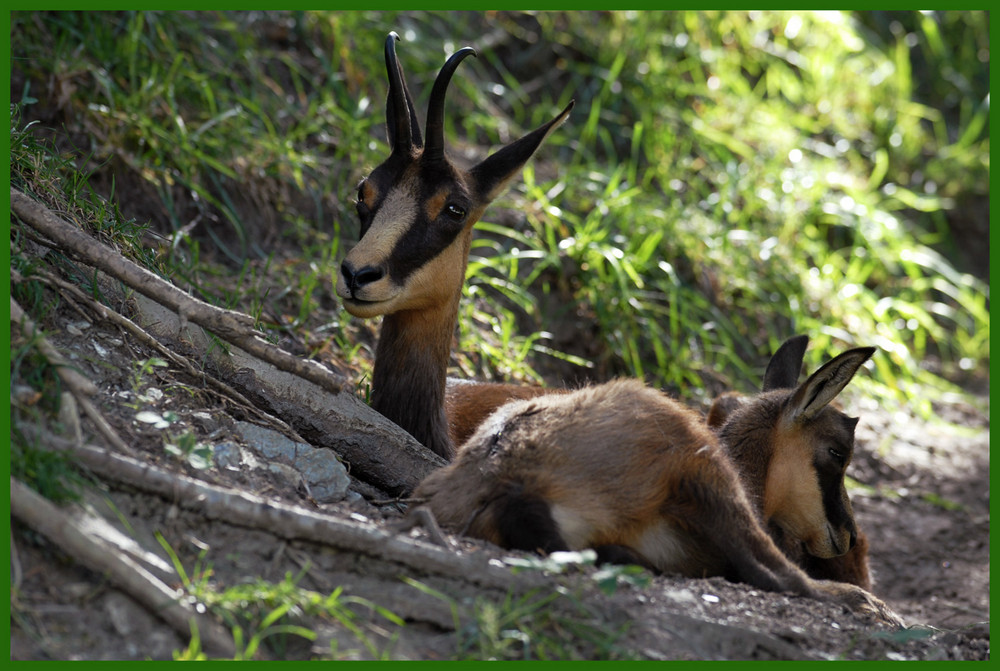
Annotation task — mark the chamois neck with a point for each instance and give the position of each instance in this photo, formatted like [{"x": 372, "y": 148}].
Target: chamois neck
[
  {"x": 411, "y": 364},
  {"x": 747, "y": 438}
]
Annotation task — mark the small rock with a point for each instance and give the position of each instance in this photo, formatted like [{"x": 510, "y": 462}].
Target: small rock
[
  {"x": 205, "y": 421},
  {"x": 267, "y": 442},
  {"x": 286, "y": 473},
  {"x": 228, "y": 455},
  {"x": 327, "y": 478},
  {"x": 680, "y": 596}
]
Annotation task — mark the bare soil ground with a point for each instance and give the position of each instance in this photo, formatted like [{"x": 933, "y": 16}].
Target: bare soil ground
[{"x": 924, "y": 502}]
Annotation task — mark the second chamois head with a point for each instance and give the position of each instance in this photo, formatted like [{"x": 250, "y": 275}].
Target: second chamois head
[
  {"x": 417, "y": 210},
  {"x": 793, "y": 449}
]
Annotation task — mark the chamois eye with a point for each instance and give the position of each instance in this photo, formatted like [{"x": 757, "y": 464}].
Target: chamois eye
[
  {"x": 360, "y": 203},
  {"x": 454, "y": 212},
  {"x": 837, "y": 455}
]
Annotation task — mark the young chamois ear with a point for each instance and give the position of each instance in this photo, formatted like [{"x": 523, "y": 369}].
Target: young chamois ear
[
  {"x": 416, "y": 211},
  {"x": 793, "y": 450},
  {"x": 785, "y": 366},
  {"x": 782, "y": 373}
]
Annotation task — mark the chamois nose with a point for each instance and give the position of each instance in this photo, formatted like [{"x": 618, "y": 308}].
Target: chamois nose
[{"x": 356, "y": 279}]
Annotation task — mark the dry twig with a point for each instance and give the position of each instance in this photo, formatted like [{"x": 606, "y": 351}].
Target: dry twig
[
  {"x": 184, "y": 363},
  {"x": 81, "y": 387},
  {"x": 281, "y": 519}
]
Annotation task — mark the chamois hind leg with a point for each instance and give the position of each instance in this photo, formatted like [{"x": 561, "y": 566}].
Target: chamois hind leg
[{"x": 524, "y": 522}]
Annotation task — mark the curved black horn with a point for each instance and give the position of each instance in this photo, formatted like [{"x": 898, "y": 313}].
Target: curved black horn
[
  {"x": 435, "y": 108},
  {"x": 402, "y": 126}
]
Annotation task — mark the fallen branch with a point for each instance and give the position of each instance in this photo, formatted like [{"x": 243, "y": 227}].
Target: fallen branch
[
  {"x": 281, "y": 519},
  {"x": 184, "y": 363},
  {"x": 234, "y": 327},
  {"x": 68, "y": 532},
  {"x": 309, "y": 398},
  {"x": 374, "y": 449}
]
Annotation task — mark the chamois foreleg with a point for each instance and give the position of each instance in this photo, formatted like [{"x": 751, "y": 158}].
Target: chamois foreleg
[{"x": 715, "y": 507}]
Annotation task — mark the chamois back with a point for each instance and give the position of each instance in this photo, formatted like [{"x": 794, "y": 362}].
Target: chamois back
[{"x": 617, "y": 466}]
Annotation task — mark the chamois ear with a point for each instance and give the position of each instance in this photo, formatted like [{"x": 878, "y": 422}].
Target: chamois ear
[
  {"x": 492, "y": 175},
  {"x": 823, "y": 386},
  {"x": 784, "y": 367}
]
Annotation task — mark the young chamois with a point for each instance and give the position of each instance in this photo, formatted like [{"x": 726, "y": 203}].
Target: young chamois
[
  {"x": 783, "y": 373},
  {"x": 625, "y": 470},
  {"x": 417, "y": 210}
]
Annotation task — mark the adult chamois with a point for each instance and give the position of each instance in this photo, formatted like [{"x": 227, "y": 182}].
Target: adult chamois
[
  {"x": 417, "y": 210},
  {"x": 628, "y": 471}
]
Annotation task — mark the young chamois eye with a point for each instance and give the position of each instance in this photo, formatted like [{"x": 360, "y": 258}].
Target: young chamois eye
[{"x": 838, "y": 456}]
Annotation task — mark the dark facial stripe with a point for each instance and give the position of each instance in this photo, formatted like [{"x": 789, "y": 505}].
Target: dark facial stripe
[{"x": 427, "y": 238}]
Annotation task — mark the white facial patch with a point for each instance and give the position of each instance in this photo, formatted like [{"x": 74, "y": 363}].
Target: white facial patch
[
  {"x": 396, "y": 215},
  {"x": 393, "y": 219}
]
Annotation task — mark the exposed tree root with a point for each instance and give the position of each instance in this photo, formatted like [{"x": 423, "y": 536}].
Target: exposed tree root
[
  {"x": 235, "y": 327},
  {"x": 308, "y": 399},
  {"x": 281, "y": 519}
]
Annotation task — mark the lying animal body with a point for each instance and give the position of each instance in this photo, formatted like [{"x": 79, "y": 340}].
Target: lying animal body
[{"x": 628, "y": 471}]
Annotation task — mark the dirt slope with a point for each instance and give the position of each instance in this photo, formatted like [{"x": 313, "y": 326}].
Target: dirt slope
[{"x": 924, "y": 506}]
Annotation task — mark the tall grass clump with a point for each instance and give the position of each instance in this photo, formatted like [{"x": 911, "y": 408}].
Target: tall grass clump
[{"x": 743, "y": 176}]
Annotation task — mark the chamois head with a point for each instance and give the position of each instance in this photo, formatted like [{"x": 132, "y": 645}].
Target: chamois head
[
  {"x": 417, "y": 208},
  {"x": 793, "y": 448}
]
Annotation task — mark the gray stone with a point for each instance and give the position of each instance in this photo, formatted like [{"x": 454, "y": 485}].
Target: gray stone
[
  {"x": 327, "y": 478},
  {"x": 228, "y": 455},
  {"x": 268, "y": 443}
]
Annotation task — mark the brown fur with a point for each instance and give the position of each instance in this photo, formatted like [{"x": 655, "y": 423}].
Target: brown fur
[
  {"x": 623, "y": 465},
  {"x": 829, "y": 425},
  {"x": 468, "y": 404}
]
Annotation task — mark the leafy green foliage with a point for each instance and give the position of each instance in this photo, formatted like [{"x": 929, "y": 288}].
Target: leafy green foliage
[
  {"x": 275, "y": 612},
  {"x": 727, "y": 179},
  {"x": 533, "y": 626}
]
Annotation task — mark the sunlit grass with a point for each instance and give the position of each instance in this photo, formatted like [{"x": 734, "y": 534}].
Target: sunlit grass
[{"x": 726, "y": 179}]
